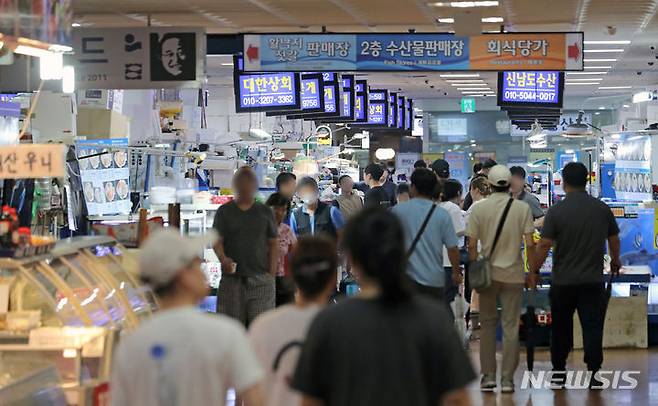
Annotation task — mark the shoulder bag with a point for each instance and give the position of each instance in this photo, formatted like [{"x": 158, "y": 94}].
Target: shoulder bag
[
  {"x": 479, "y": 272},
  {"x": 412, "y": 248}
]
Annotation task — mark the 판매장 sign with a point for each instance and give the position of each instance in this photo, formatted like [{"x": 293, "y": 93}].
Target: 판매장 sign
[
  {"x": 26, "y": 161},
  {"x": 413, "y": 52}
]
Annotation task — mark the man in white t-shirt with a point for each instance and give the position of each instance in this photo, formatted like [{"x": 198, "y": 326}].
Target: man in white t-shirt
[
  {"x": 278, "y": 335},
  {"x": 451, "y": 196},
  {"x": 182, "y": 356}
]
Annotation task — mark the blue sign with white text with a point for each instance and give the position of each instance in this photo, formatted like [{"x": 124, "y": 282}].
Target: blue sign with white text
[
  {"x": 310, "y": 94},
  {"x": 342, "y": 52},
  {"x": 266, "y": 90},
  {"x": 530, "y": 87},
  {"x": 377, "y": 107},
  {"x": 393, "y": 110}
]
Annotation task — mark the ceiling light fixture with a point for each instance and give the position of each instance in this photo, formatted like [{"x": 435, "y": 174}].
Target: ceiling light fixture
[
  {"x": 226, "y": 63},
  {"x": 620, "y": 42},
  {"x": 584, "y": 79},
  {"x": 465, "y": 4},
  {"x": 469, "y": 84},
  {"x": 642, "y": 97},
  {"x": 450, "y": 20},
  {"x": 602, "y": 51},
  {"x": 600, "y": 60},
  {"x": 626, "y": 106},
  {"x": 615, "y": 87},
  {"x": 460, "y": 75},
  {"x": 597, "y": 67},
  {"x": 601, "y": 107},
  {"x": 581, "y": 84},
  {"x": 463, "y": 80},
  {"x": 76, "y": 25},
  {"x": 587, "y": 73}
]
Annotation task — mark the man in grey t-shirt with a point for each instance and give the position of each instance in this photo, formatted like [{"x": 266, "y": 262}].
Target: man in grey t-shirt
[
  {"x": 577, "y": 228},
  {"x": 517, "y": 188},
  {"x": 247, "y": 250}
]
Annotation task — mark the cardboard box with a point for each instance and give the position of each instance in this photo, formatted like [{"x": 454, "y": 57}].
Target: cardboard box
[{"x": 95, "y": 123}]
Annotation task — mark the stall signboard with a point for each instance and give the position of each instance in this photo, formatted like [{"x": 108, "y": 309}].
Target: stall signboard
[
  {"x": 566, "y": 119},
  {"x": 404, "y": 166},
  {"x": 402, "y": 102},
  {"x": 105, "y": 176},
  {"x": 139, "y": 57},
  {"x": 32, "y": 161},
  {"x": 378, "y": 107},
  {"x": 393, "y": 110},
  {"x": 413, "y": 52},
  {"x": 310, "y": 96},
  {"x": 530, "y": 88},
  {"x": 361, "y": 101},
  {"x": 348, "y": 96},
  {"x": 266, "y": 91},
  {"x": 331, "y": 94},
  {"x": 409, "y": 118}
]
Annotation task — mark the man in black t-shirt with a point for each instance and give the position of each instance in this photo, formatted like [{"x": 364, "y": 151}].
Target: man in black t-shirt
[
  {"x": 376, "y": 196},
  {"x": 578, "y": 228}
]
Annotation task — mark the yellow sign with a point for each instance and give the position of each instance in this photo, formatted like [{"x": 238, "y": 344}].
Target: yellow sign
[{"x": 32, "y": 161}]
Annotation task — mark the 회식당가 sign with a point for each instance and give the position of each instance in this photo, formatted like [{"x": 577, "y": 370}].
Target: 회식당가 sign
[
  {"x": 139, "y": 57},
  {"x": 413, "y": 52},
  {"x": 25, "y": 161}
]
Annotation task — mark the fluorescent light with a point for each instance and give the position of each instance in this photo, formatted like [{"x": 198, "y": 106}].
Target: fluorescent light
[
  {"x": 465, "y": 4},
  {"x": 597, "y": 67},
  {"x": 493, "y": 19},
  {"x": 584, "y": 79},
  {"x": 474, "y": 145},
  {"x": 626, "y": 106},
  {"x": 587, "y": 73},
  {"x": 581, "y": 84},
  {"x": 68, "y": 79},
  {"x": 469, "y": 84},
  {"x": 642, "y": 97},
  {"x": 620, "y": 42},
  {"x": 597, "y": 113},
  {"x": 227, "y": 64},
  {"x": 460, "y": 75},
  {"x": 463, "y": 80},
  {"x": 600, "y": 60},
  {"x": 614, "y": 87},
  {"x": 31, "y": 51},
  {"x": 602, "y": 51},
  {"x": 482, "y": 90},
  {"x": 450, "y": 20},
  {"x": 601, "y": 107},
  {"x": 51, "y": 66},
  {"x": 76, "y": 25}
]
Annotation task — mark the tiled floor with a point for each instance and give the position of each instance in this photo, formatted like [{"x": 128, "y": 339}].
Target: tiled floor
[{"x": 646, "y": 393}]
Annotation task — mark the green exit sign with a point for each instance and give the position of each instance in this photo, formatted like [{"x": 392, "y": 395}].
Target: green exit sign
[{"x": 468, "y": 105}]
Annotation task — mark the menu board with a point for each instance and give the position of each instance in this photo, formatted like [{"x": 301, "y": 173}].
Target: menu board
[
  {"x": 525, "y": 88},
  {"x": 361, "y": 101},
  {"x": 266, "y": 91},
  {"x": 393, "y": 110},
  {"x": 105, "y": 177},
  {"x": 310, "y": 94}
]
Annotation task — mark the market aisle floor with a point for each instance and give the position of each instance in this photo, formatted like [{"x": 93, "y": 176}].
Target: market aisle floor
[{"x": 645, "y": 361}]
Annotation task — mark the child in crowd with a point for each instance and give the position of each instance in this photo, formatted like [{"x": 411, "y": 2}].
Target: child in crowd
[{"x": 285, "y": 290}]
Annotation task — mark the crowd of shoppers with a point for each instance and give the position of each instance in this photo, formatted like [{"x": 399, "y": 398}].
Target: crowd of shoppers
[{"x": 394, "y": 343}]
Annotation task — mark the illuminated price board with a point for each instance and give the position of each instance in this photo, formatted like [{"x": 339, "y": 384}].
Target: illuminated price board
[
  {"x": 409, "y": 119},
  {"x": 527, "y": 88},
  {"x": 361, "y": 101},
  {"x": 310, "y": 94},
  {"x": 402, "y": 109},
  {"x": 378, "y": 107},
  {"x": 393, "y": 110},
  {"x": 347, "y": 96},
  {"x": 266, "y": 91}
]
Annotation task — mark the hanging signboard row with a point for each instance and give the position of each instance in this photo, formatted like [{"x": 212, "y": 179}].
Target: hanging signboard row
[{"x": 413, "y": 52}]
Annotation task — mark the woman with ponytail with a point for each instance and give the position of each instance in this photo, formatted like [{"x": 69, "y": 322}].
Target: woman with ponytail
[{"x": 384, "y": 346}]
